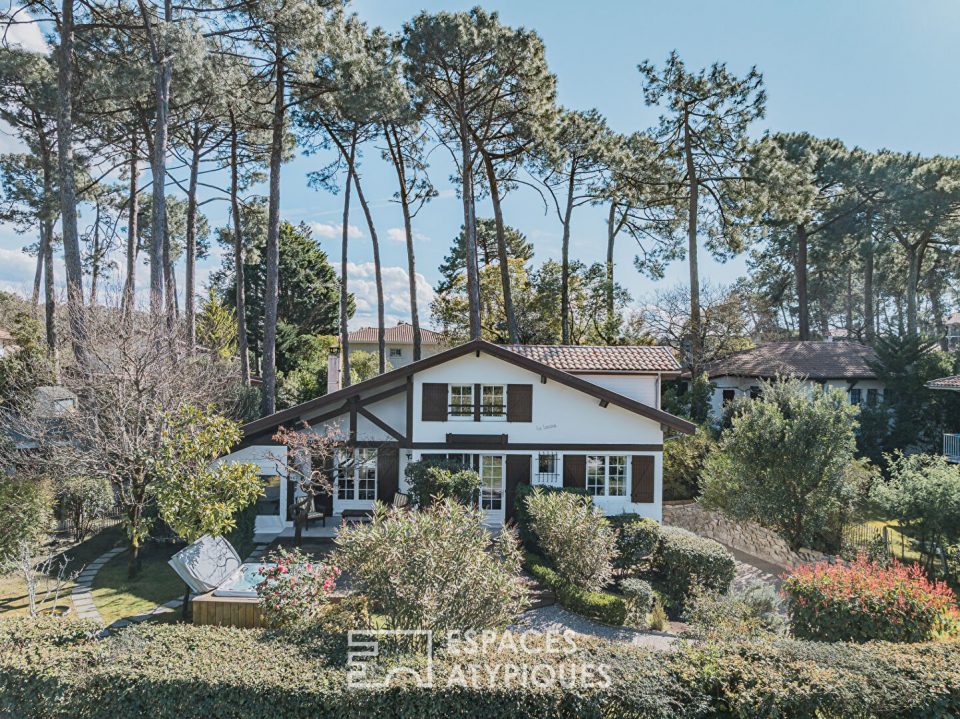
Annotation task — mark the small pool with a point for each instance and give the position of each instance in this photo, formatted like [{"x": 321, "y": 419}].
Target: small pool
[{"x": 243, "y": 582}]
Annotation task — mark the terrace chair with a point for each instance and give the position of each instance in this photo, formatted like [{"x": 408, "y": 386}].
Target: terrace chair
[{"x": 401, "y": 501}]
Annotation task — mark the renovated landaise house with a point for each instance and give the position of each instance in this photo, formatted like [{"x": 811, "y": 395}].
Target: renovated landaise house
[
  {"x": 399, "y": 341},
  {"x": 836, "y": 364},
  {"x": 574, "y": 416}
]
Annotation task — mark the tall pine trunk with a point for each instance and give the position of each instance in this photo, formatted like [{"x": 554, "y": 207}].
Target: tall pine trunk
[
  {"x": 238, "y": 255},
  {"x": 869, "y": 311},
  {"x": 190, "y": 280},
  {"x": 800, "y": 270},
  {"x": 95, "y": 257},
  {"x": 608, "y": 290},
  {"x": 344, "y": 258},
  {"x": 270, "y": 295},
  {"x": 68, "y": 185},
  {"x": 469, "y": 225},
  {"x": 133, "y": 217},
  {"x": 565, "y": 315},
  {"x": 502, "y": 255},
  {"x": 377, "y": 270},
  {"x": 692, "y": 208}
]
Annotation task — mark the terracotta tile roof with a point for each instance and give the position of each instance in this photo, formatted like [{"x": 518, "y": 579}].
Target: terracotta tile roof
[
  {"x": 593, "y": 358},
  {"x": 814, "y": 360},
  {"x": 401, "y": 334},
  {"x": 953, "y": 319},
  {"x": 945, "y": 383}
]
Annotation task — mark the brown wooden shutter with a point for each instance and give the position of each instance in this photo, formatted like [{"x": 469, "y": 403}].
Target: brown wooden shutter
[
  {"x": 519, "y": 402},
  {"x": 388, "y": 473},
  {"x": 518, "y": 472},
  {"x": 434, "y": 402},
  {"x": 477, "y": 400},
  {"x": 575, "y": 470},
  {"x": 642, "y": 489}
]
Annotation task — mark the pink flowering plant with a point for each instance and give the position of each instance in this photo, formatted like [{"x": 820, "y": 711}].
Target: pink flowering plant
[
  {"x": 294, "y": 587},
  {"x": 866, "y": 600}
]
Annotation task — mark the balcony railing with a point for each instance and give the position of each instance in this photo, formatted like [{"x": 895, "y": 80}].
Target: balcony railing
[{"x": 951, "y": 447}]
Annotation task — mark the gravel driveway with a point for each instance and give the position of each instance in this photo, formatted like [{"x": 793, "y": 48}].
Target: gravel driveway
[{"x": 557, "y": 619}]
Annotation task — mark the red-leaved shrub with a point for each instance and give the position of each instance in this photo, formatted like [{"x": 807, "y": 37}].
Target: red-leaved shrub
[{"x": 865, "y": 600}]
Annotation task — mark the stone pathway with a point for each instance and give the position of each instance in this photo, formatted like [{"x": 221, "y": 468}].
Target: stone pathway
[
  {"x": 83, "y": 599},
  {"x": 752, "y": 569},
  {"x": 557, "y": 619},
  {"x": 81, "y": 592}
]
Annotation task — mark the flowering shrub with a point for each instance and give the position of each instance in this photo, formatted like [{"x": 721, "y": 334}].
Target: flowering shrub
[
  {"x": 865, "y": 601},
  {"x": 294, "y": 587}
]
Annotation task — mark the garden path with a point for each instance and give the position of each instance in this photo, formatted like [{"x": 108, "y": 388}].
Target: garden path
[{"x": 557, "y": 619}]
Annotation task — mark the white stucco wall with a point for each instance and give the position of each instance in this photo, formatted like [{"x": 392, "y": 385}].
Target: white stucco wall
[
  {"x": 560, "y": 414},
  {"x": 406, "y": 351},
  {"x": 643, "y": 388}
]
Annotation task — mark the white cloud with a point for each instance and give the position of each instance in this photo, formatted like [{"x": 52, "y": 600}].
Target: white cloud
[
  {"x": 26, "y": 35},
  {"x": 397, "y": 234},
  {"x": 324, "y": 229},
  {"x": 447, "y": 194},
  {"x": 361, "y": 281}
]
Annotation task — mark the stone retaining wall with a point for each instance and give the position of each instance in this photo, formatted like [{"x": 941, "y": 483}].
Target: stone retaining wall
[{"x": 745, "y": 536}]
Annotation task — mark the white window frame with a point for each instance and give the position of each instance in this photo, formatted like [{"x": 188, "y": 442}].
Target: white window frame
[
  {"x": 364, "y": 462},
  {"x": 605, "y": 461},
  {"x": 450, "y": 404},
  {"x": 553, "y": 479},
  {"x": 484, "y": 417},
  {"x": 488, "y": 495}
]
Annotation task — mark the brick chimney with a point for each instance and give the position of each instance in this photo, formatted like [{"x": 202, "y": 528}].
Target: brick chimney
[{"x": 333, "y": 371}]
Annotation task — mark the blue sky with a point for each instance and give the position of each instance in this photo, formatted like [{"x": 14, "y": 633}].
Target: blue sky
[{"x": 876, "y": 74}]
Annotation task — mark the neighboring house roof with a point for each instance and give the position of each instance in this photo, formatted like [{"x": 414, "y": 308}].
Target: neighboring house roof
[
  {"x": 402, "y": 334},
  {"x": 52, "y": 401},
  {"x": 948, "y": 383},
  {"x": 953, "y": 319},
  {"x": 600, "y": 359},
  {"x": 813, "y": 360},
  {"x": 338, "y": 401}
]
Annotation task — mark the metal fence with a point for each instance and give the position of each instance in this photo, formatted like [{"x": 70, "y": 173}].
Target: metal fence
[
  {"x": 877, "y": 542},
  {"x": 110, "y": 518}
]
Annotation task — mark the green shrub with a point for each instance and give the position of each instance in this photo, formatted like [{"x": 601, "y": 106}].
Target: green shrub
[
  {"x": 683, "y": 460},
  {"x": 637, "y": 540},
  {"x": 685, "y": 561},
  {"x": 639, "y": 596},
  {"x": 522, "y": 517},
  {"x": 192, "y": 672},
  {"x": 657, "y": 620},
  {"x": 25, "y": 513},
  {"x": 864, "y": 601},
  {"x": 752, "y": 611},
  {"x": 574, "y": 536},
  {"x": 84, "y": 498},
  {"x": 601, "y": 606},
  {"x": 438, "y": 568},
  {"x": 293, "y": 588},
  {"x": 430, "y": 479}
]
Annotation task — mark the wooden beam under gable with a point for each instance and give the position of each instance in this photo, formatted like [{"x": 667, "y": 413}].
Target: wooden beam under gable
[{"x": 381, "y": 424}]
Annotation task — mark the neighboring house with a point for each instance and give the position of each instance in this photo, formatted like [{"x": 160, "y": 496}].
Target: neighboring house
[
  {"x": 50, "y": 404},
  {"x": 399, "y": 342},
  {"x": 953, "y": 331},
  {"x": 7, "y": 343},
  {"x": 586, "y": 417},
  {"x": 951, "y": 440},
  {"x": 832, "y": 364}
]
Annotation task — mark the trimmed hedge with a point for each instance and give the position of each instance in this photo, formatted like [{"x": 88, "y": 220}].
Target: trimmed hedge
[
  {"x": 51, "y": 671},
  {"x": 604, "y": 607},
  {"x": 684, "y": 561},
  {"x": 637, "y": 540}
]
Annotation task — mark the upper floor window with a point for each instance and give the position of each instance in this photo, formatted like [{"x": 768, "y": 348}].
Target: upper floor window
[
  {"x": 396, "y": 352},
  {"x": 493, "y": 403},
  {"x": 729, "y": 395},
  {"x": 607, "y": 475},
  {"x": 856, "y": 396},
  {"x": 461, "y": 401},
  {"x": 873, "y": 397}
]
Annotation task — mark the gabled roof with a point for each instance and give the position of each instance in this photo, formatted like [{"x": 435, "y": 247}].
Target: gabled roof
[
  {"x": 334, "y": 399},
  {"x": 948, "y": 383},
  {"x": 594, "y": 358},
  {"x": 812, "y": 360},
  {"x": 402, "y": 334}
]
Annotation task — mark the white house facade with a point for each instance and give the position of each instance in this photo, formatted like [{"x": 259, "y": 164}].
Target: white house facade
[
  {"x": 584, "y": 417},
  {"x": 837, "y": 364},
  {"x": 399, "y": 343}
]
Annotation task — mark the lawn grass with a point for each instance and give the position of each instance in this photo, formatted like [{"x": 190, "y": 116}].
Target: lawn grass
[
  {"x": 117, "y": 597},
  {"x": 13, "y": 593}
]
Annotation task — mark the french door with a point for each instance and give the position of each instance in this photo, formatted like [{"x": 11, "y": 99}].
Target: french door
[{"x": 492, "y": 480}]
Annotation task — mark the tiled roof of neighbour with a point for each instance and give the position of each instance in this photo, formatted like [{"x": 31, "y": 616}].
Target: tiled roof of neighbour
[
  {"x": 945, "y": 383},
  {"x": 814, "y": 360},
  {"x": 590, "y": 358},
  {"x": 953, "y": 319},
  {"x": 401, "y": 334}
]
